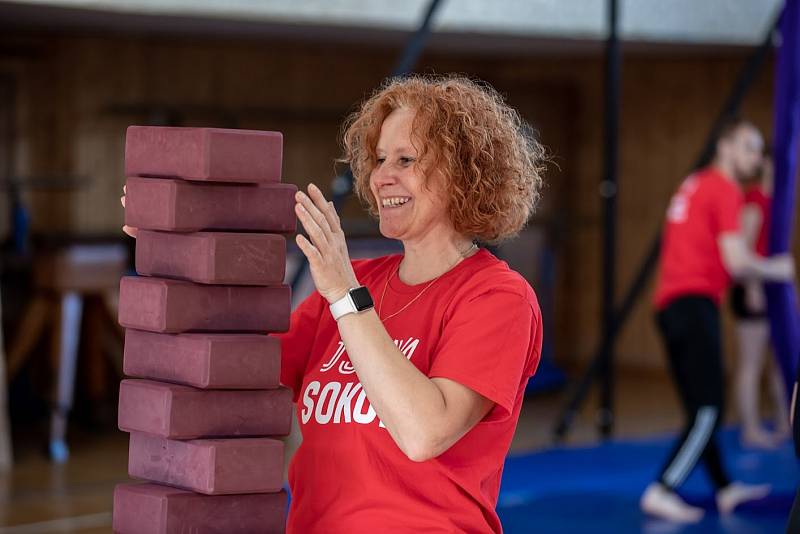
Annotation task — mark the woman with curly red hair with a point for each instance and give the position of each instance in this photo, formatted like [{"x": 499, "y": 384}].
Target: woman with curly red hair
[{"x": 409, "y": 370}]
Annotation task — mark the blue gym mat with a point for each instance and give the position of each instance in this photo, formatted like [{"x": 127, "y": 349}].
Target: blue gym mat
[{"x": 596, "y": 489}]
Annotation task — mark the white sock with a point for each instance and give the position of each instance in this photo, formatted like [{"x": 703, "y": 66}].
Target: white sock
[
  {"x": 737, "y": 493},
  {"x": 659, "y": 501}
]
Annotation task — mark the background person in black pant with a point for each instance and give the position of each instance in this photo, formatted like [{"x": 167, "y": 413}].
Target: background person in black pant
[{"x": 702, "y": 250}]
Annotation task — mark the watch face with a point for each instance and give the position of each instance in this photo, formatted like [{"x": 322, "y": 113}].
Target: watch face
[{"x": 361, "y": 298}]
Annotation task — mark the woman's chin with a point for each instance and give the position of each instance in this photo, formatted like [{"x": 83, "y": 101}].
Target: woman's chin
[{"x": 390, "y": 231}]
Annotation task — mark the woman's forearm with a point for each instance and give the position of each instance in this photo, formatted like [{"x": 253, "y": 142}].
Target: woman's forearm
[{"x": 409, "y": 404}]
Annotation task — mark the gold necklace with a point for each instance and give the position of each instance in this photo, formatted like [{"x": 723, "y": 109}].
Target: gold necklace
[{"x": 462, "y": 255}]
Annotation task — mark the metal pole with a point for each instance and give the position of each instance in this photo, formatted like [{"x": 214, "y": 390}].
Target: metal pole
[
  {"x": 608, "y": 191},
  {"x": 416, "y": 44}
]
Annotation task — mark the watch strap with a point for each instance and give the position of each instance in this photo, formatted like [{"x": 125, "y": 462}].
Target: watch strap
[{"x": 343, "y": 306}]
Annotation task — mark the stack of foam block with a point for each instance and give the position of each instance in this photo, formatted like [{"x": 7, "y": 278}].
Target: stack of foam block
[{"x": 204, "y": 405}]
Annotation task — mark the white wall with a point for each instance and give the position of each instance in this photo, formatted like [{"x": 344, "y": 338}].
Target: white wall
[{"x": 740, "y": 22}]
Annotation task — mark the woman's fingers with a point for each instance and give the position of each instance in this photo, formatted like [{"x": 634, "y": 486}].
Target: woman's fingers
[
  {"x": 326, "y": 208},
  {"x": 333, "y": 218},
  {"x": 311, "y": 226},
  {"x": 308, "y": 212},
  {"x": 311, "y": 207},
  {"x": 307, "y": 248},
  {"x": 130, "y": 230}
]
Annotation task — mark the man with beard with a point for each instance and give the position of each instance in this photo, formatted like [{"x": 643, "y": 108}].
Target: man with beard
[{"x": 702, "y": 251}]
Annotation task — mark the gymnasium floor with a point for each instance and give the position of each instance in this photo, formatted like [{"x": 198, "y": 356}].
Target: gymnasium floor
[
  {"x": 581, "y": 487},
  {"x": 596, "y": 489}
]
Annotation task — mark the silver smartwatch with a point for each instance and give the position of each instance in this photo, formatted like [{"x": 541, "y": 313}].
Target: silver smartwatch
[{"x": 355, "y": 300}]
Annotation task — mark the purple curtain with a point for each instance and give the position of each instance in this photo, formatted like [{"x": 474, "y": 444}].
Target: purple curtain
[{"x": 782, "y": 297}]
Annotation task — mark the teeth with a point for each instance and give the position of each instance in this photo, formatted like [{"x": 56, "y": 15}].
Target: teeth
[{"x": 394, "y": 201}]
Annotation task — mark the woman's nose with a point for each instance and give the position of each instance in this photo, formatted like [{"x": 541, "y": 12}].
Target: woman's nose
[{"x": 384, "y": 174}]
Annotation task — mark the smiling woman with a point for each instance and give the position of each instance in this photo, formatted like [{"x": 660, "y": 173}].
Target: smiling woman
[
  {"x": 469, "y": 142},
  {"x": 407, "y": 409}
]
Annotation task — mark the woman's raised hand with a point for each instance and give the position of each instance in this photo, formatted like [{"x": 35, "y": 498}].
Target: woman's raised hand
[
  {"x": 130, "y": 230},
  {"x": 325, "y": 247}
]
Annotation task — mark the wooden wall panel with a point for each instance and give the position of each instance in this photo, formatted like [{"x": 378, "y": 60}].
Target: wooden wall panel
[{"x": 79, "y": 93}]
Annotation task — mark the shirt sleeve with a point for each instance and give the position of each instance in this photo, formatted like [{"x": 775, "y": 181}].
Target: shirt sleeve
[
  {"x": 728, "y": 207},
  {"x": 485, "y": 346},
  {"x": 297, "y": 342}
]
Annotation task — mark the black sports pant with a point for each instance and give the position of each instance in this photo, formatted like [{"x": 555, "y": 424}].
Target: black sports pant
[{"x": 691, "y": 329}]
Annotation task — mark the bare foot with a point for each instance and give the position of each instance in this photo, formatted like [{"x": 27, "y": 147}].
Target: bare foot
[
  {"x": 756, "y": 439},
  {"x": 782, "y": 433},
  {"x": 661, "y": 502},
  {"x": 737, "y": 493}
]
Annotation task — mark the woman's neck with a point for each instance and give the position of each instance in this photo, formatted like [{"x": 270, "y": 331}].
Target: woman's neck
[{"x": 429, "y": 258}]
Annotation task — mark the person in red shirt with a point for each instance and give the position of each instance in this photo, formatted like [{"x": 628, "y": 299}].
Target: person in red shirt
[
  {"x": 749, "y": 306},
  {"x": 409, "y": 370},
  {"x": 702, "y": 250},
  {"x": 407, "y": 405}
]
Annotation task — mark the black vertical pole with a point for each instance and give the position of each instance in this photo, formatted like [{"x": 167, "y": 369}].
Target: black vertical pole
[
  {"x": 19, "y": 217},
  {"x": 608, "y": 191},
  {"x": 416, "y": 44}
]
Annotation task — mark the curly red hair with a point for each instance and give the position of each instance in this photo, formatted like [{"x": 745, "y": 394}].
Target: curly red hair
[{"x": 491, "y": 163}]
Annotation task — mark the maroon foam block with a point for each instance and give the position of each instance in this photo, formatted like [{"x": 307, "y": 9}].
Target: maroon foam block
[
  {"x": 182, "y": 412},
  {"x": 213, "y": 257},
  {"x": 175, "y": 306},
  {"x": 180, "y": 206},
  {"x": 220, "y": 361},
  {"x": 209, "y": 466},
  {"x": 155, "y": 509},
  {"x": 208, "y": 154}
]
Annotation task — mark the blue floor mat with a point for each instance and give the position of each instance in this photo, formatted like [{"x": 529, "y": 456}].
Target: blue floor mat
[{"x": 596, "y": 489}]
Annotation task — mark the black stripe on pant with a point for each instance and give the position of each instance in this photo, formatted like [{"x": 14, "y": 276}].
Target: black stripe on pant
[{"x": 690, "y": 327}]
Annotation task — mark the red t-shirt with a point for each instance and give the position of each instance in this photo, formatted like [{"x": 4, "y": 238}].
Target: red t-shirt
[
  {"x": 479, "y": 325},
  {"x": 757, "y": 197},
  {"x": 705, "y": 206}
]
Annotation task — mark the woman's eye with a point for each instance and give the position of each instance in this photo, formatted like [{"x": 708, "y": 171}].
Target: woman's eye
[
  {"x": 406, "y": 161},
  {"x": 380, "y": 160}
]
